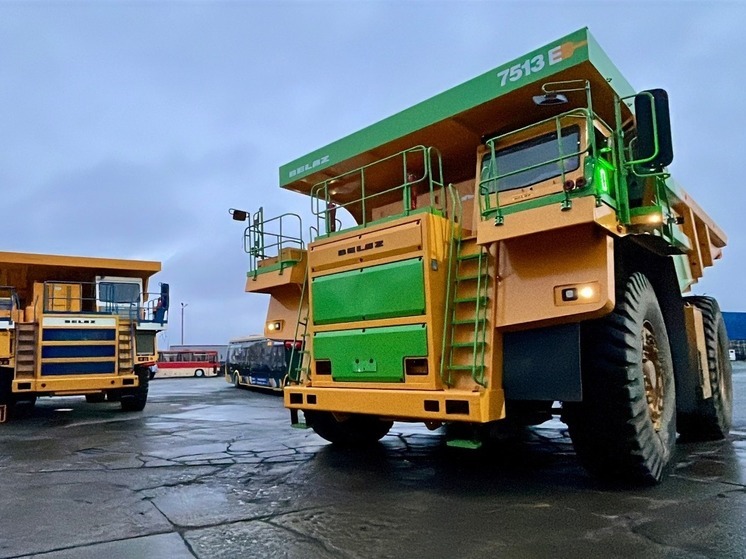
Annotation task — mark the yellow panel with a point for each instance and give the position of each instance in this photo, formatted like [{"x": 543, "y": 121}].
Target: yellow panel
[
  {"x": 63, "y": 297},
  {"x": 5, "y": 344},
  {"x": 531, "y": 268},
  {"x": 373, "y": 244},
  {"x": 268, "y": 282},
  {"x": 543, "y": 218}
]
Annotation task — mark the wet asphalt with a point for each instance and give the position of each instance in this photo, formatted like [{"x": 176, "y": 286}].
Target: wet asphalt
[{"x": 209, "y": 471}]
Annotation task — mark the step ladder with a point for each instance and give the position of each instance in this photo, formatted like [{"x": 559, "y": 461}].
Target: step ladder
[
  {"x": 125, "y": 347},
  {"x": 26, "y": 338},
  {"x": 467, "y": 315},
  {"x": 296, "y": 373}
]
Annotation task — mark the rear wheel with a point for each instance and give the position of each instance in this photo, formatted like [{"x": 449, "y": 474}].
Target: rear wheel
[
  {"x": 134, "y": 399},
  {"x": 348, "y": 430},
  {"x": 713, "y": 416},
  {"x": 625, "y": 427},
  {"x": 199, "y": 373}
]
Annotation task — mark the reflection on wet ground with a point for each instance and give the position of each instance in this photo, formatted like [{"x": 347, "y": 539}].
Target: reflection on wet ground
[{"x": 209, "y": 471}]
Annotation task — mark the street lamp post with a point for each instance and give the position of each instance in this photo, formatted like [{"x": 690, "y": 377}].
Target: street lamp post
[{"x": 183, "y": 306}]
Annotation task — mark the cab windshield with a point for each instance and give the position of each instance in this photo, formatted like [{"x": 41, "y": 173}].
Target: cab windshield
[{"x": 540, "y": 151}]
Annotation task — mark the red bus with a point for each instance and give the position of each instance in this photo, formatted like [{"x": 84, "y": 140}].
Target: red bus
[{"x": 187, "y": 363}]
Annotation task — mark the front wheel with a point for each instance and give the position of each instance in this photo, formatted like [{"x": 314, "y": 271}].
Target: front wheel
[
  {"x": 348, "y": 430},
  {"x": 625, "y": 427},
  {"x": 713, "y": 416},
  {"x": 134, "y": 399},
  {"x": 236, "y": 381}
]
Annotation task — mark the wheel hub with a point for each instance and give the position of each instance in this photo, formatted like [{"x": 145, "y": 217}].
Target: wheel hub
[{"x": 653, "y": 375}]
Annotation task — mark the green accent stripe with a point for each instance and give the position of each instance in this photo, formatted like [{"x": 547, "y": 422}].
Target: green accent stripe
[
  {"x": 371, "y": 354},
  {"x": 383, "y": 291},
  {"x": 468, "y": 95}
]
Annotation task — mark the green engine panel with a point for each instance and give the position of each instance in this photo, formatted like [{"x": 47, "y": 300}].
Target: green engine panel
[
  {"x": 383, "y": 291},
  {"x": 370, "y": 354}
]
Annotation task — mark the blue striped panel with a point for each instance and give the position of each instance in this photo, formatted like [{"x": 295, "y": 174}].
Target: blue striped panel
[
  {"x": 54, "y": 352},
  {"x": 79, "y": 334},
  {"x": 106, "y": 367}
]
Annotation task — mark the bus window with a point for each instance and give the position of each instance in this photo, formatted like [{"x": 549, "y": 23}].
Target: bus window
[
  {"x": 256, "y": 362},
  {"x": 179, "y": 363}
]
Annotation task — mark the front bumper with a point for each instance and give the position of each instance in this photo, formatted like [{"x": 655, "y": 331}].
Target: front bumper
[{"x": 417, "y": 405}]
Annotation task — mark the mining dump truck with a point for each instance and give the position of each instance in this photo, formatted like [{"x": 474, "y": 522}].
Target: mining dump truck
[
  {"x": 74, "y": 325},
  {"x": 508, "y": 250}
]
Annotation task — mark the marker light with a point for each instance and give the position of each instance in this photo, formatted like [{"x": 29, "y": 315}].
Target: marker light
[
  {"x": 655, "y": 218},
  {"x": 276, "y": 325},
  {"x": 586, "y": 292},
  {"x": 578, "y": 294}
]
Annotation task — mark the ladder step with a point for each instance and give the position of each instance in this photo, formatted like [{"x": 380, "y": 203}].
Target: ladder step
[
  {"x": 466, "y": 367},
  {"x": 481, "y": 299},
  {"x": 472, "y": 277},
  {"x": 465, "y": 257},
  {"x": 467, "y": 344},
  {"x": 467, "y": 321}
]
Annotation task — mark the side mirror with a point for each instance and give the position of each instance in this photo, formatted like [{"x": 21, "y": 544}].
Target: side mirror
[
  {"x": 164, "y": 296},
  {"x": 653, "y": 121},
  {"x": 238, "y": 215}
]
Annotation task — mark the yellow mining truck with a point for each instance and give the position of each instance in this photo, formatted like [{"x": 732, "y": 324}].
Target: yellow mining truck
[
  {"x": 512, "y": 246},
  {"x": 74, "y": 325}
]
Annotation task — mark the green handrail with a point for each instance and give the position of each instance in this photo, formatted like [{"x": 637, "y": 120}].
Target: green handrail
[
  {"x": 261, "y": 244},
  {"x": 485, "y": 184},
  {"x": 455, "y": 234},
  {"x": 323, "y": 194}
]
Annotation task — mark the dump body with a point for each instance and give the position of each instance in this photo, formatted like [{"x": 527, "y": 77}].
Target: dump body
[
  {"x": 492, "y": 226},
  {"x": 77, "y": 325}
]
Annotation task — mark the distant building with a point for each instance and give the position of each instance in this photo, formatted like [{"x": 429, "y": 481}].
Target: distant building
[{"x": 735, "y": 324}]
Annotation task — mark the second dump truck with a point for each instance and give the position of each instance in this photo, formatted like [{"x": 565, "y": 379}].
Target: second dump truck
[
  {"x": 511, "y": 246},
  {"x": 72, "y": 325}
]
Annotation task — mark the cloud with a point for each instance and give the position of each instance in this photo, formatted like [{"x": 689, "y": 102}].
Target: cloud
[{"x": 129, "y": 129}]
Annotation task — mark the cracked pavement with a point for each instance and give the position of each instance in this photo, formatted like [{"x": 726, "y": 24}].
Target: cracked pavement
[{"x": 208, "y": 471}]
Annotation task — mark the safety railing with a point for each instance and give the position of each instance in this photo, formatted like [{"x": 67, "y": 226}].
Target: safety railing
[
  {"x": 402, "y": 178},
  {"x": 273, "y": 244},
  {"x": 491, "y": 175},
  {"x": 63, "y": 297},
  {"x": 9, "y": 306},
  {"x": 154, "y": 309}
]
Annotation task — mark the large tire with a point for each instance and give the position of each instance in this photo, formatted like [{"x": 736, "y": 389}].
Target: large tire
[
  {"x": 236, "y": 381},
  {"x": 713, "y": 417},
  {"x": 134, "y": 399},
  {"x": 350, "y": 430},
  {"x": 624, "y": 430},
  {"x": 199, "y": 373},
  {"x": 7, "y": 398}
]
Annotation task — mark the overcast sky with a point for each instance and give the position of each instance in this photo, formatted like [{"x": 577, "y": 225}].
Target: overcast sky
[{"x": 129, "y": 128}]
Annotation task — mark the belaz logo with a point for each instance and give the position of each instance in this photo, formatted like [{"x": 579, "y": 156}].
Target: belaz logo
[{"x": 360, "y": 248}]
